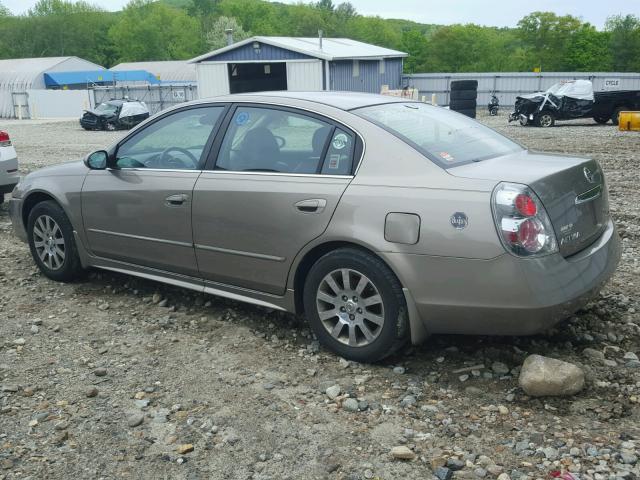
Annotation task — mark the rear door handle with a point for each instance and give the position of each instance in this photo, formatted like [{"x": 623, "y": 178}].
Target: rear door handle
[
  {"x": 311, "y": 205},
  {"x": 176, "y": 200}
]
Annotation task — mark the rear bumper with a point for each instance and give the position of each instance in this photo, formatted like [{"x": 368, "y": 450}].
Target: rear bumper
[
  {"x": 505, "y": 295},
  {"x": 15, "y": 213}
]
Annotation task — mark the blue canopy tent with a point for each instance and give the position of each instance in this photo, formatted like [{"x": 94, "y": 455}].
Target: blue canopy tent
[{"x": 76, "y": 80}]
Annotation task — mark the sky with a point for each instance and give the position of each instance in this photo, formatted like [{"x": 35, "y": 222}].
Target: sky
[{"x": 501, "y": 13}]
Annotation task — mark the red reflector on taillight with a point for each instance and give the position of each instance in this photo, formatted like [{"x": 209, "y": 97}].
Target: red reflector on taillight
[
  {"x": 4, "y": 136},
  {"x": 529, "y": 235},
  {"x": 525, "y": 205}
]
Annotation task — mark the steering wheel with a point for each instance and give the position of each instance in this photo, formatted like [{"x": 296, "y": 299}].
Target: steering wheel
[{"x": 167, "y": 161}]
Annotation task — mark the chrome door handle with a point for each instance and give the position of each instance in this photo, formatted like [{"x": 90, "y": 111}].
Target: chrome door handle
[
  {"x": 176, "y": 200},
  {"x": 311, "y": 205}
]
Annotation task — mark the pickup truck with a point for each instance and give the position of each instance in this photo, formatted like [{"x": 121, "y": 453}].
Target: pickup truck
[{"x": 573, "y": 99}]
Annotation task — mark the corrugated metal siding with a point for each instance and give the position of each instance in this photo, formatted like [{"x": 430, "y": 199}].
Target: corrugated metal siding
[
  {"x": 370, "y": 79},
  {"x": 213, "y": 79},
  {"x": 509, "y": 85},
  {"x": 266, "y": 53},
  {"x": 304, "y": 76}
]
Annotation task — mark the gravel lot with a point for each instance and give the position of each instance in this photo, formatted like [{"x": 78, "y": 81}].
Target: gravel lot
[{"x": 117, "y": 377}]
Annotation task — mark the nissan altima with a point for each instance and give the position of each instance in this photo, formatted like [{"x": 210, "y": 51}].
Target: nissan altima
[{"x": 380, "y": 220}]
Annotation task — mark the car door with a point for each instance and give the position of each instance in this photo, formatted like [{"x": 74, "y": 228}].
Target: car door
[
  {"x": 139, "y": 210},
  {"x": 278, "y": 176}
]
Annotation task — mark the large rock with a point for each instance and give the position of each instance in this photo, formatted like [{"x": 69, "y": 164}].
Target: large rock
[{"x": 543, "y": 376}]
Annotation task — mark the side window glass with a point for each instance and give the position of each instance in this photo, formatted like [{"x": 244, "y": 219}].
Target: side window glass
[
  {"x": 174, "y": 142},
  {"x": 339, "y": 157},
  {"x": 270, "y": 140}
]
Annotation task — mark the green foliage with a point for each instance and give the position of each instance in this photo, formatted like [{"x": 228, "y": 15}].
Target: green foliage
[
  {"x": 217, "y": 37},
  {"x": 179, "y": 29},
  {"x": 153, "y": 30}
]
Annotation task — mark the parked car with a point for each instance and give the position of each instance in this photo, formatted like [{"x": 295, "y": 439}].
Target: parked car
[
  {"x": 8, "y": 165},
  {"x": 573, "y": 99},
  {"x": 115, "y": 115},
  {"x": 379, "y": 219}
]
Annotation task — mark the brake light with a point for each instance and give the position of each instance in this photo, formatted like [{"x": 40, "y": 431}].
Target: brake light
[
  {"x": 5, "y": 141},
  {"x": 522, "y": 222}
]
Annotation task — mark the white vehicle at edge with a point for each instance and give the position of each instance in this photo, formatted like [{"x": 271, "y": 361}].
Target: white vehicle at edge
[{"x": 8, "y": 165}]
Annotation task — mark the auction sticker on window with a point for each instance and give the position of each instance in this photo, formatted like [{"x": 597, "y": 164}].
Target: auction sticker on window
[
  {"x": 242, "y": 118},
  {"x": 334, "y": 161},
  {"x": 446, "y": 156},
  {"x": 340, "y": 141}
]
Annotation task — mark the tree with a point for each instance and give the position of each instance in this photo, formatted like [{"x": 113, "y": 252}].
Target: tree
[
  {"x": 546, "y": 37},
  {"x": 4, "y": 11},
  {"x": 624, "y": 45},
  {"x": 326, "y": 5},
  {"x": 217, "y": 36},
  {"x": 148, "y": 30}
]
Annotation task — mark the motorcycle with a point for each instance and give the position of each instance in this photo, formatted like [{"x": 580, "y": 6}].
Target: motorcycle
[{"x": 494, "y": 105}]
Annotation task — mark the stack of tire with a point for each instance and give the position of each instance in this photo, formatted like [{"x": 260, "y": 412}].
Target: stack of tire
[{"x": 463, "y": 97}]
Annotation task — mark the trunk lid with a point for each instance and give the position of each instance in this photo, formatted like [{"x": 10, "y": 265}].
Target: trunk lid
[{"x": 572, "y": 190}]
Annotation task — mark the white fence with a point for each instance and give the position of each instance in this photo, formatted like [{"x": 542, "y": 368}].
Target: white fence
[{"x": 509, "y": 85}]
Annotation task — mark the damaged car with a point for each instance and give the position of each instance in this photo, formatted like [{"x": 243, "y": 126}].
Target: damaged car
[
  {"x": 115, "y": 115},
  {"x": 568, "y": 100}
]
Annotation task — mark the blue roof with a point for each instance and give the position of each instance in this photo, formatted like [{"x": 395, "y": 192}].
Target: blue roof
[{"x": 62, "y": 79}]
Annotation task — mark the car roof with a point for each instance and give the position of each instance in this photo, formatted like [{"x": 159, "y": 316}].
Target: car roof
[{"x": 341, "y": 100}]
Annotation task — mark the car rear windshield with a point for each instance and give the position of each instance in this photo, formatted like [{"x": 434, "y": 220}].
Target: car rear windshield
[{"x": 448, "y": 138}]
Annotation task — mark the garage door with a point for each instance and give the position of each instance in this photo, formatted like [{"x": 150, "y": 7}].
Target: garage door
[
  {"x": 213, "y": 79},
  {"x": 305, "y": 75}
]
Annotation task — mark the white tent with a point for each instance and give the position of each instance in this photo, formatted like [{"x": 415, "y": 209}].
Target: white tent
[{"x": 19, "y": 75}]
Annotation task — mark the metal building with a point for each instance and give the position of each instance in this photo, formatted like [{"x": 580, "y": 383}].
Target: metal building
[
  {"x": 171, "y": 72},
  {"x": 20, "y": 75},
  {"x": 297, "y": 63}
]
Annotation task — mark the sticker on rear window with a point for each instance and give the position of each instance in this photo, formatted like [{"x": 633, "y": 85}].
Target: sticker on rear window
[
  {"x": 334, "y": 161},
  {"x": 340, "y": 141},
  {"x": 446, "y": 156},
  {"x": 242, "y": 118}
]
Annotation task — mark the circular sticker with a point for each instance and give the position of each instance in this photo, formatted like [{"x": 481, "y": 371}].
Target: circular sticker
[
  {"x": 242, "y": 118},
  {"x": 340, "y": 141},
  {"x": 459, "y": 220}
]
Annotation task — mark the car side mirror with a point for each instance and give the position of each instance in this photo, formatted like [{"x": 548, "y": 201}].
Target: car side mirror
[{"x": 97, "y": 160}]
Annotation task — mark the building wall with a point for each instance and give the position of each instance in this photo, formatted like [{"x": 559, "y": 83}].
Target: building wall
[
  {"x": 369, "y": 78},
  {"x": 266, "y": 53},
  {"x": 509, "y": 85}
]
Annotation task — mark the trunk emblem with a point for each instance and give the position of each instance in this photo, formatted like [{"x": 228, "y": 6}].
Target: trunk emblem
[
  {"x": 459, "y": 220},
  {"x": 591, "y": 176}
]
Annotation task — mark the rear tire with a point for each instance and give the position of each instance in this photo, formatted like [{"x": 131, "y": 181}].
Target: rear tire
[
  {"x": 601, "y": 120},
  {"x": 52, "y": 244},
  {"x": 493, "y": 111},
  {"x": 545, "y": 120},
  {"x": 363, "y": 318},
  {"x": 615, "y": 118}
]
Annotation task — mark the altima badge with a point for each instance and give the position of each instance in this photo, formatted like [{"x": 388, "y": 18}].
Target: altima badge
[{"x": 459, "y": 220}]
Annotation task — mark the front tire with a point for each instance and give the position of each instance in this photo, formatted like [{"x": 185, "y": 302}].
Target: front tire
[
  {"x": 52, "y": 243},
  {"x": 355, "y": 305},
  {"x": 545, "y": 120},
  {"x": 601, "y": 120}
]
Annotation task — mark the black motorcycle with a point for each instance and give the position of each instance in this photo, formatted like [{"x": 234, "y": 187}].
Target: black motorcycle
[{"x": 494, "y": 105}]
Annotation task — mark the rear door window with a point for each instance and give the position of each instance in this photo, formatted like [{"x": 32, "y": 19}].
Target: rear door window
[{"x": 262, "y": 139}]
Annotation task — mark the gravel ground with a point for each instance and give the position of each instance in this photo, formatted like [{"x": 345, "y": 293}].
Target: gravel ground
[{"x": 116, "y": 377}]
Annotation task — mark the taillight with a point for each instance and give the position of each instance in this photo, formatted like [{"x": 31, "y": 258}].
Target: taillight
[
  {"x": 522, "y": 222},
  {"x": 5, "y": 141}
]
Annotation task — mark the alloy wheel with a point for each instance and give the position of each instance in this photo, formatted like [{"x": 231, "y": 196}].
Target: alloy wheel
[
  {"x": 49, "y": 242},
  {"x": 350, "y": 307},
  {"x": 546, "y": 120}
]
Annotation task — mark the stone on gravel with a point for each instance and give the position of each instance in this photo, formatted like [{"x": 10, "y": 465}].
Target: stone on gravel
[
  {"x": 351, "y": 405},
  {"x": 402, "y": 452},
  {"x": 544, "y": 376},
  {"x": 333, "y": 391},
  {"x": 184, "y": 448},
  {"x": 135, "y": 420},
  {"x": 91, "y": 392},
  {"x": 100, "y": 372},
  {"x": 443, "y": 473},
  {"x": 500, "y": 368}
]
